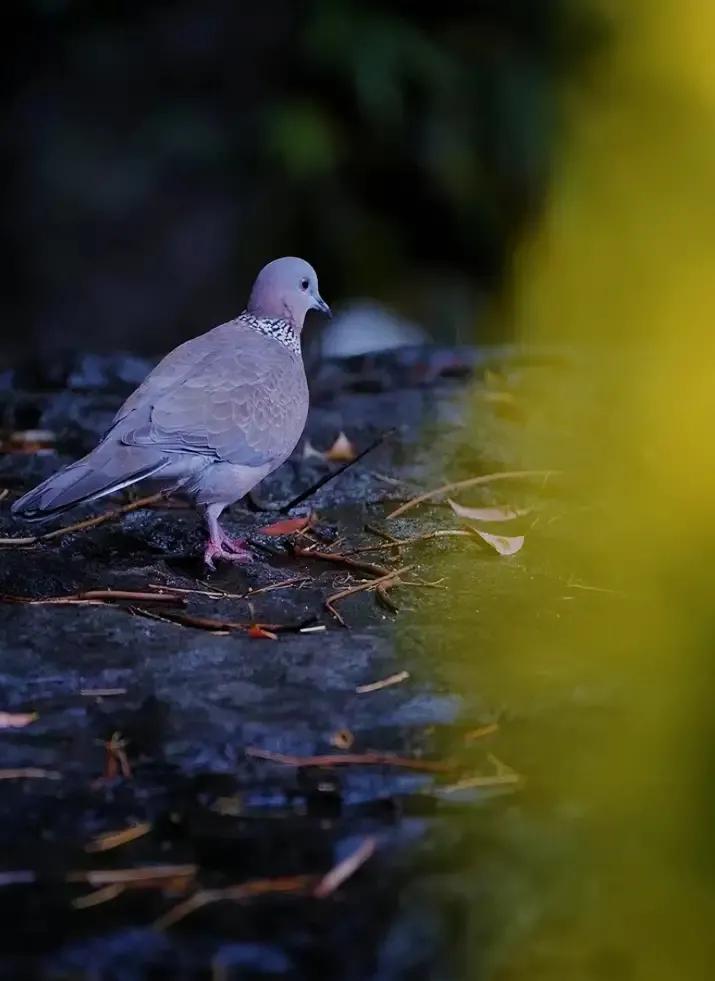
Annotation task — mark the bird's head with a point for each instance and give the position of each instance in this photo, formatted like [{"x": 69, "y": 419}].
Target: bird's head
[{"x": 286, "y": 289}]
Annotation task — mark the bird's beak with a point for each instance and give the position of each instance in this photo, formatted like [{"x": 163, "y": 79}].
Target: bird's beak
[{"x": 320, "y": 304}]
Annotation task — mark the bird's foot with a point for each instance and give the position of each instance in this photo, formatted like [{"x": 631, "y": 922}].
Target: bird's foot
[
  {"x": 237, "y": 546},
  {"x": 228, "y": 549}
]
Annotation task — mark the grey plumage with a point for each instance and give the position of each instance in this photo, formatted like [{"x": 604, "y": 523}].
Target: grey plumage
[{"x": 213, "y": 418}]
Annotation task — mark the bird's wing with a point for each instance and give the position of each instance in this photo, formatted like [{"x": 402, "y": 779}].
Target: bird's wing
[
  {"x": 243, "y": 400},
  {"x": 176, "y": 365}
]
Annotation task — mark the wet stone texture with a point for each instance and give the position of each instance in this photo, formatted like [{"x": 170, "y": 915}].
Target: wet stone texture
[{"x": 190, "y": 702}]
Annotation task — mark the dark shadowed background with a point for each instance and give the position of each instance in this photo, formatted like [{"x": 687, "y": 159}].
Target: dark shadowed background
[{"x": 157, "y": 154}]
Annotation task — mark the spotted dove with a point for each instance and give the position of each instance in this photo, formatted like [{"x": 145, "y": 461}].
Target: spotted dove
[{"x": 214, "y": 417}]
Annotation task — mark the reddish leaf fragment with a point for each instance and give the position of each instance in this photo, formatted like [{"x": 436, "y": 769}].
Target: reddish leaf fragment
[
  {"x": 256, "y": 630},
  {"x": 288, "y": 526}
]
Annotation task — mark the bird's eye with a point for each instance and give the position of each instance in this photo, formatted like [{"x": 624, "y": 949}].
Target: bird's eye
[{"x": 304, "y": 284}]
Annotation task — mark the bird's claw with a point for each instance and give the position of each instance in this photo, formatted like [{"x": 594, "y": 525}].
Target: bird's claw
[{"x": 228, "y": 550}]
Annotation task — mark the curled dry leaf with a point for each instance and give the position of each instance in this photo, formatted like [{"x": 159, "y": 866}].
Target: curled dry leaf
[
  {"x": 502, "y": 544},
  {"x": 342, "y": 450},
  {"x": 16, "y": 720},
  {"x": 288, "y": 526},
  {"x": 487, "y": 514},
  {"x": 342, "y": 739}
]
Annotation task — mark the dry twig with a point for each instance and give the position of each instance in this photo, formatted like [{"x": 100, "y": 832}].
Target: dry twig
[
  {"x": 394, "y": 679},
  {"x": 343, "y": 870},
  {"x": 29, "y": 773},
  {"x": 391, "y": 579},
  {"x": 340, "y": 559},
  {"x": 246, "y": 890},
  {"x": 99, "y": 896},
  {"x": 84, "y": 525},
  {"x": 351, "y": 759},
  {"x": 146, "y": 876},
  {"x": 486, "y": 478},
  {"x": 114, "y": 839},
  {"x": 102, "y": 692},
  {"x": 95, "y": 597}
]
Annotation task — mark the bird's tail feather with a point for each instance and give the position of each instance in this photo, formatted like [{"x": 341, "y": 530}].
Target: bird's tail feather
[{"x": 103, "y": 471}]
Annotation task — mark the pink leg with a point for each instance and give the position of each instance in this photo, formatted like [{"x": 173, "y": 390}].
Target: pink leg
[{"x": 220, "y": 545}]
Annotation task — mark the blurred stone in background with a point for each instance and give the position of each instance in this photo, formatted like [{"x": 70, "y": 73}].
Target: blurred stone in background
[{"x": 363, "y": 327}]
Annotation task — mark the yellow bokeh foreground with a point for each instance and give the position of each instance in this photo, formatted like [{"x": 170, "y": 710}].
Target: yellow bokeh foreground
[{"x": 622, "y": 268}]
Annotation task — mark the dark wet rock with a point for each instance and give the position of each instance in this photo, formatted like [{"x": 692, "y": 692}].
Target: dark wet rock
[{"x": 192, "y": 702}]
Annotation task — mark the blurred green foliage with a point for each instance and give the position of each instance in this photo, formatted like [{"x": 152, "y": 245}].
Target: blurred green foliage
[{"x": 161, "y": 152}]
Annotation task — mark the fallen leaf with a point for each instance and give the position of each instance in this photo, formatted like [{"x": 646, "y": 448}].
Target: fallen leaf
[
  {"x": 342, "y": 450},
  {"x": 288, "y": 526},
  {"x": 487, "y": 514},
  {"x": 501, "y": 543},
  {"x": 16, "y": 720},
  {"x": 342, "y": 739}
]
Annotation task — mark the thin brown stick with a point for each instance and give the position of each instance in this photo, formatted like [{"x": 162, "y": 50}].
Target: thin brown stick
[
  {"x": 483, "y": 782},
  {"x": 83, "y": 525},
  {"x": 95, "y": 596},
  {"x": 99, "y": 896},
  {"x": 221, "y": 594},
  {"x": 102, "y": 692},
  {"x": 401, "y": 542},
  {"x": 393, "y": 679},
  {"x": 340, "y": 559},
  {"x": 391, "y": 577},
  {"x": 486, "y": 478},
  {"x": 246, "y": 890},
  {"x": 295, "y": 581},
  {"x": 217, "y": 627},
  {"x": 385, "y": 535},
  {"x": 192, "y": 620},
  {"x": 343, "y": 870},
  {"x": 350, "y": 759},
  {"x": 384, "y": 598},
  {"x": 481, "y": 732},
  {"x": 114, "y": 839},
  {"x": 133, "y": 877}
]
